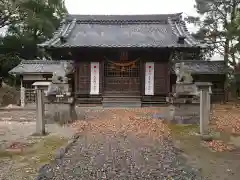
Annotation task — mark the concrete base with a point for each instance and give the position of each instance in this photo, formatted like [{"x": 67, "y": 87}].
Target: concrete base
[{"x": 183, "y": 114}]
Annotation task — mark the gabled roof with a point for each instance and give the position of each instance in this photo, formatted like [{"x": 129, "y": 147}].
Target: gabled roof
[
  {"x": 204, "y": 67},
  {"x": 162, "y": 30},
  {"x": 38, "y": 67}
]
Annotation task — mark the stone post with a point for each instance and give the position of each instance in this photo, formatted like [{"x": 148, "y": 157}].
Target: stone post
[
  {"x": 22, "y": 96},
  {"x": 40, "y": 124},
  {"x": 203, "y": 87},
  {"x": 209, "y": 101}
]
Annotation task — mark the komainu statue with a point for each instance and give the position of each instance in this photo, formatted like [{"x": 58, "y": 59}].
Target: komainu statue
[
  {"x": 183, "y": 74},
  {"x": 53, "y": 88},
  {"x": 59, "y": 85},
  {"x": 59, "y": 94}
]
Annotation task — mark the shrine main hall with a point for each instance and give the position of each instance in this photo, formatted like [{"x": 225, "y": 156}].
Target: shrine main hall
[{"x": 129, "y": 59}]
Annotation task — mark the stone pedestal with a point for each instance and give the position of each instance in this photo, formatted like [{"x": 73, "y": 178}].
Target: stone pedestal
[
  {"x": 184, "y": 105},
  {"x": 62, "y": 112},
  {"x": 65, "y": 113},
  {"x": 186, "y": 89},
  {"x": 184, "y": 113}
]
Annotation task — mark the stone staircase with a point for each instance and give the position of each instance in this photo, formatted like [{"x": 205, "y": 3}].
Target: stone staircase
[
  {"x": 153, "y": 101},
  {"x": 121, "y": 101}
]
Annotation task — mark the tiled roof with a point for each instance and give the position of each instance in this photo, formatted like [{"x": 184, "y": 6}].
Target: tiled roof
[
  {"x": 38, "y": 66},
  {"x": 122, "y": 31},
  {"x": 204, "y": 67}
]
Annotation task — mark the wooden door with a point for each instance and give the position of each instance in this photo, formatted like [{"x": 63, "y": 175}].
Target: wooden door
[{"x": 122, "y": 78}]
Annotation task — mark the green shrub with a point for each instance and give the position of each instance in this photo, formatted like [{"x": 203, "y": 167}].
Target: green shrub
[{"x": 9, "y": 95}]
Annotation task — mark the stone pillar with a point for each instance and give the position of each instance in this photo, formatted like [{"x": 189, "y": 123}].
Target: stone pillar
[
  {"x": 204, "y": 107},
  {"x": 209, "y": 101},
  {"x": 40, "y": 124},
  {"x": 22, "y": 96}
]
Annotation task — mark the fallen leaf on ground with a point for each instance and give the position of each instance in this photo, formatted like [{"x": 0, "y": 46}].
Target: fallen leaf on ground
[
  {"x": 226, "y": 118},
  {"x": 139, "y": 121},
  {"x": 219, "y": 146}
]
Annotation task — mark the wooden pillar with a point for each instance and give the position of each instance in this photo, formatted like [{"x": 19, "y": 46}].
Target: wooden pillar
[
  {"x": 102, "y": 74},
  {"x": 142, "y": 77},
  {"x": 75, "y": 79}
]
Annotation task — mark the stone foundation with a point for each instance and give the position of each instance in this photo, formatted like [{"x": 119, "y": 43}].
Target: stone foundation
[{"x": 62, "y": 113}]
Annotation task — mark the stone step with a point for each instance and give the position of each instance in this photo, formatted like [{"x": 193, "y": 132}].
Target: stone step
[
  {"x": 120, "y": 99},
  {"x": 88, "y": 100},
  {"x": 155, "y": 102},
  {"x": 152, "y": 99},
  {"x": 122, "y": 96},
  {"x": 126, "y": 104}
]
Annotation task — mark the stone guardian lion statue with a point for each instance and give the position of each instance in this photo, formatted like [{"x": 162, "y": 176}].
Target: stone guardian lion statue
[{"x": 183, "y": 74}]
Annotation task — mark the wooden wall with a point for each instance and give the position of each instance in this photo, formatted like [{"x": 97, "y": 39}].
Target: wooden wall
[
  {"x": 82, "y": 78},
  {"x": 217, "y": 81},
  {"x": 159, "y": 57},
  {"x": 161, "y": 78}
]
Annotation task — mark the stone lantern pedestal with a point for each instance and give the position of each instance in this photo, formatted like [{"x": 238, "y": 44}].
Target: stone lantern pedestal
[{"x": 184, "y": 105}]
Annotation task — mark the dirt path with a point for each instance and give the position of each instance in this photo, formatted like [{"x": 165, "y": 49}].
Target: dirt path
[{"x": 119, "y": 144}]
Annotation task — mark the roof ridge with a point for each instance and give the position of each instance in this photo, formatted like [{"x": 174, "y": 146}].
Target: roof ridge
[
  {"x": 121, "y": 18},
  {"x": 189, "y": 36},
  {"x": 68, "y": 31},
  {"x": 37, "y": 61},
  {"x": 166, "y": 14},
  {"x": 201, "y": 61},
  {"x": 56, "y": 35},
  {"x": 179, "y": 28}
]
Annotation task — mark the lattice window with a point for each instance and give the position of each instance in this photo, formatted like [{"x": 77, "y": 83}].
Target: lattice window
[{"x": 118, "y": 69}]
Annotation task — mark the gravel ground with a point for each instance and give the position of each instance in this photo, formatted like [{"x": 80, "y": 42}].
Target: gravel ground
[
  {"x": 16, "y": 128},
  {"x": 117, "y": 144}
]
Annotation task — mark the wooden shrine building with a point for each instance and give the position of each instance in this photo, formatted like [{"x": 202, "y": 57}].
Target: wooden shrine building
[
  {"x": 31, "y": 71},
  {"x": 128, "y": 59}
]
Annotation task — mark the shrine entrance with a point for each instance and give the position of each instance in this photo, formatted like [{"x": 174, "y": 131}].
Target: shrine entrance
[{"x": 122, "y": 77}]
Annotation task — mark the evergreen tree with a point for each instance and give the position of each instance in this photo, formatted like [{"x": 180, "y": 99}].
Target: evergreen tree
[{"x": 218, "y": 26}]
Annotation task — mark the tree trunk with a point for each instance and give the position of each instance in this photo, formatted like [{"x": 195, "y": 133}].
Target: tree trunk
[{"x": 226, "y": 60}]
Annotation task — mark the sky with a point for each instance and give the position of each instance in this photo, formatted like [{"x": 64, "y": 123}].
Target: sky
[{"x": 131, "y": 7}]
